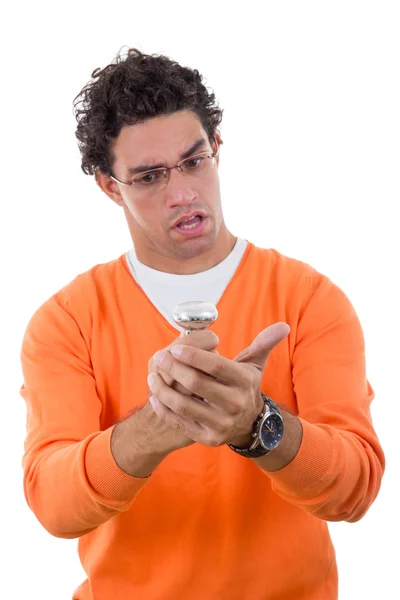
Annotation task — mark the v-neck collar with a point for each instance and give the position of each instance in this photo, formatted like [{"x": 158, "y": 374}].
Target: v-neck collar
[{"x": 123, "y": 261}]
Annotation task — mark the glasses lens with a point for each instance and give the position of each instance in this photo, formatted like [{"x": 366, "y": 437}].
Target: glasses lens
[
  {"x": 197, "y": 164},
  {"x": 150, "y": 180}
]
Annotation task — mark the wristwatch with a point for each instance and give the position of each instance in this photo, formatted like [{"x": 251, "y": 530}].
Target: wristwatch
[{"x": 268, "y": 431}]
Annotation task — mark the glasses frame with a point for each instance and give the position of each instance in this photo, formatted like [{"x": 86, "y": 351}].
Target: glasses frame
[{"x": 165, "y": 170}]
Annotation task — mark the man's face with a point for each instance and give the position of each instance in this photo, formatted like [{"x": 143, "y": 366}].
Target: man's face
[{"x": 164, "y": 141}]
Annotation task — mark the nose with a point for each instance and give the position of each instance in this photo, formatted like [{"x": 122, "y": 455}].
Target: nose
[{"x": 179, "y": 190}]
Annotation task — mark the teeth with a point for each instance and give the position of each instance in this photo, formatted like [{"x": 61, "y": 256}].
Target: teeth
[{"x": 189, "y": 226}]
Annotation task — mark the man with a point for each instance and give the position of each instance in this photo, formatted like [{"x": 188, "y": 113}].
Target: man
[{"x": 184, "y": 471}]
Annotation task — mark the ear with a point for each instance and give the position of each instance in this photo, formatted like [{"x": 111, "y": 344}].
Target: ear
[
  {"x": 219, "y": 141},
  {"x": 109, "y": 187},
  {"x": 217, "y": 137}
]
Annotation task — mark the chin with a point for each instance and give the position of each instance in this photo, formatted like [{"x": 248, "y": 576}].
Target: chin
[{"x": 192, "y": 248}]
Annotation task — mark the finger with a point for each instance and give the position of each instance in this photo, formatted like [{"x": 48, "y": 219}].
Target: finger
[
  {"x": 194, "y": 381},
  {"x": 203, "y": 338},
  {"x": 222, "y": 369},
  {"x": 169, "y": 380},
  {"x": 176, "y": 385},
  {"x": 187, "y": 407},
  {"x": 172, "y": 383},
  {"x": 259, "y": 350}
]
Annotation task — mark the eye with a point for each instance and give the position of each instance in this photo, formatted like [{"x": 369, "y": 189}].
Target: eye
[
  {"x": 194, "y": 162},
  {"x": 149, "y": 177}
]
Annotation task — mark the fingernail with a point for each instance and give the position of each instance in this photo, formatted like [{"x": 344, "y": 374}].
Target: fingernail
[
  {"x": 151, "y": 379},
  {"x": 176, "y": 350},
  {"x": 153, "y": 401},
  {"x": 159, "y": 357}
]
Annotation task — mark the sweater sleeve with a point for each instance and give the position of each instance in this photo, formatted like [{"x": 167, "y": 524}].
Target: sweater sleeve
[
  {"x": 337, "y": 472},
  {"x": 71, "y": 481}
]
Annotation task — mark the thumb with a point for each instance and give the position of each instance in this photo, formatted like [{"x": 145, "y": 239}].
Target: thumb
[{"x": 258, "y": 351}]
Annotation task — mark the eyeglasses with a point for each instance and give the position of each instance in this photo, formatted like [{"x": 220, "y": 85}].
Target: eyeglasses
[{"x": 150, "y": 182}]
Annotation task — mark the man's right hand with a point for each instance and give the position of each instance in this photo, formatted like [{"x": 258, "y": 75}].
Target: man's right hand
[{"x": 143, "y": 440}]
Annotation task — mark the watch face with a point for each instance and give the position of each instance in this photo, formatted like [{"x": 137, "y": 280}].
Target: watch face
[{"x": 271, "y": 431}]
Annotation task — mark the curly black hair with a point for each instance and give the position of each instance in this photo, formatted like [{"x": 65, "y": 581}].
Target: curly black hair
[{"x": 133, "y": 89}]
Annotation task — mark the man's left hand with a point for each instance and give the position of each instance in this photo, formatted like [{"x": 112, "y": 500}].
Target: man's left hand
[{"x": 230, "y": 389}]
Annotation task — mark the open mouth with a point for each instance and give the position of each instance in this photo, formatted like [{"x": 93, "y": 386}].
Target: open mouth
[
  {"x": 191, "y": 227},
  {"x": 190, "y": 223}
]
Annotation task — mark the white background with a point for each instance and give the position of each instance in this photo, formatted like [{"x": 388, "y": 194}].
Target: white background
[{"x": 309, "y": 166}]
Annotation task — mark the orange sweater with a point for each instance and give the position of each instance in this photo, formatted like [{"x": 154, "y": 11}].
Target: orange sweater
[{"x": 208, "y": 522}]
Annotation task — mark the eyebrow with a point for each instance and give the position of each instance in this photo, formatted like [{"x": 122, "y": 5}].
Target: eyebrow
[{"x": 141, "y": 168}]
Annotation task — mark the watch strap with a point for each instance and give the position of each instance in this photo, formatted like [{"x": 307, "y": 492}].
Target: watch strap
[{"x": 255, "y": 453}]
